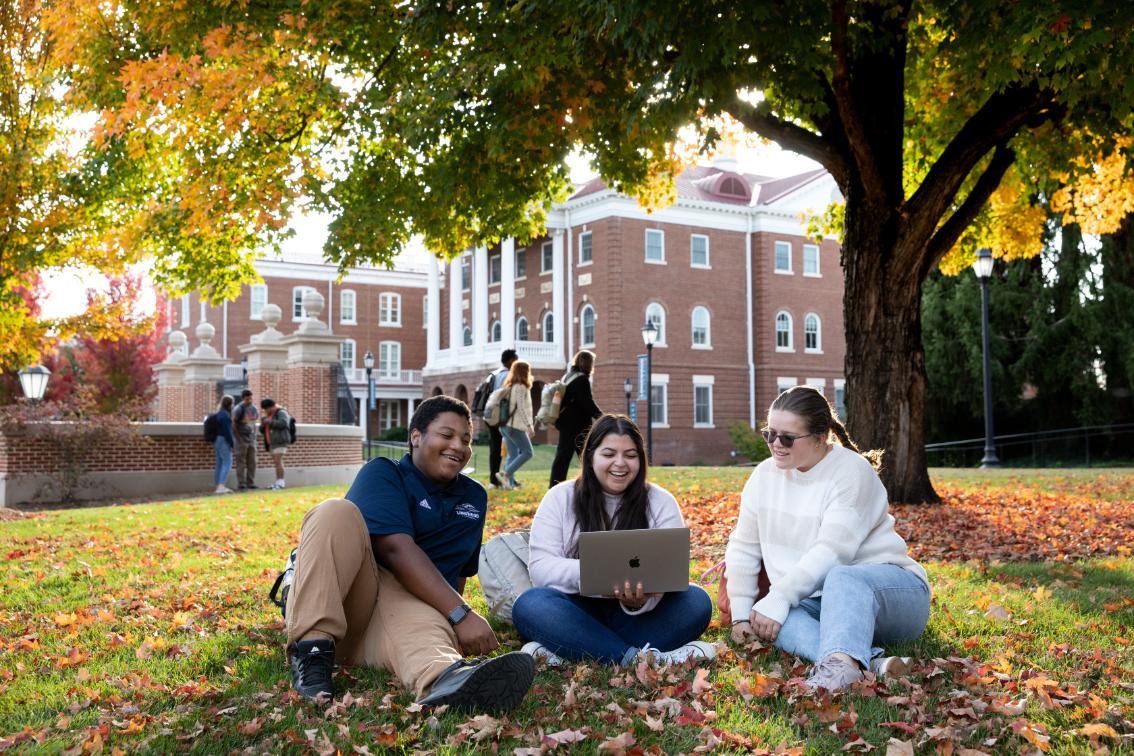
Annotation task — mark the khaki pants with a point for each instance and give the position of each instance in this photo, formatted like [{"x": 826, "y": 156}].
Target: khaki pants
[
  {"x": 244, "y": 455},
  {"x": 340, "y": 592}
]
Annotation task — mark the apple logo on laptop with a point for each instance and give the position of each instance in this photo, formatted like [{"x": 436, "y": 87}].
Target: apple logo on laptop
[{"x": 635, "y": 562}]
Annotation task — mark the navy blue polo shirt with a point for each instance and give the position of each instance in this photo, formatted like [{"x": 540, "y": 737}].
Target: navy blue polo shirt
[{"x": 445, "y": 521}]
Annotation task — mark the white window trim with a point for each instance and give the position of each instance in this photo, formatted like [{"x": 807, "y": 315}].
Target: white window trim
[
  {"x": 397, "y": 309},
  {"x": 492, "y": 327},
  {"x": 818, "y": 334},
  {"x": 708, "y": 264},
  {"x": 660, "y": 343},
  {"x": 523, "y": 319},
  {"x": 342, "y": 309},
  {"x": 521, "y": 254},
  {"x": 186, "y": 311},
  {"x": 582, "y": 325},
  {"x": 819, "y": 383},
  {"x": 777, "y": 271},
  {"x": 467, "y": 330},
  {"x": 252, "y": 314},
  {"x": 389, "y": 374},
  {"x": 544, "y": 330},
  {"x": 783, "y": 383},
  {"x": 818, "y": 267},
  {"x": 542, "y": 256},
  {"x": 294, "y": 289},
  {"x": 704, "y": 381},
  {"x": 775, "y": 332},
  {"x": 646, "y": 248},
  {"x": 425, "y": 311},
  {"x": 839, "y": 384},
  {"x": 661, "y": 379},
  {"x": 466, "y": 260},
  {"x": 708, "y": 333},
  {"x": 584, "y": 263},
  {"x": 353, "y": 353},
  {"x": 500, "y": 262},
  {"x": 385, "y": 414}
]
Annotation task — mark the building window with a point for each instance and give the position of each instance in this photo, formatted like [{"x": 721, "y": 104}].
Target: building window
[
  {"x": 699, "y": 251},
  {"x": 258, "y": 296},
  {"x": 659, "y": 401},
  {"x": 783, "y": 384},
  {"x": 466, "y": 336},
  {"x": 549, "y": 326},
  {"x": 841, "y": 399},
  {"x": 585, "y": 248},
  {"x": 389, "y": 309},
  {"x": 655, "y": 245},
  {"x": 812, "y": 333},
  {"x": 346, "y": 307},
  {"x": 297, "y": 311},
  {"x": 425, "y": 311},
  {"x": 466, "y": 273},
  {"x": 546, "y": 257},
  {"x": 186, "y": 311},
  {"x": 587, "y": 326},
  {"x": 522, "y": 329},
  {"x": 521, "y": 263},
  {"x": 783, "y": 332},
  {"x": 493, "y": 269},
  {"x": 701, "y": 328},
  {"x": 389, "y": 414},
  {"x": 389, "y": 359},
  {"x": 494, "y": 331},
  {"x": 346, "y": 354},
  {"x": 702, "y": 401},
  {"x": 655, "y": 314},
  {"x": 811, "y": 260},
  {"x": 783, "y": 257}
]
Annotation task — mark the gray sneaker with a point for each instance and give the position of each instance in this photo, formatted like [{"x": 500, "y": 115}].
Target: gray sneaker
[
  {"x": 833, "y": 674},
  {"x": 483, "y": 685},
  {"x": 890, "y": 667}
]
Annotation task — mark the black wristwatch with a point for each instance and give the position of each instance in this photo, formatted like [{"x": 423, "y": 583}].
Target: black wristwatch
[{"x": 458, "y": 614}]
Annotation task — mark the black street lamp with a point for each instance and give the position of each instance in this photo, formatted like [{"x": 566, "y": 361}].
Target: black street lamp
[
  {"x": 627, "y": 386},
  {"x": 33, "y": 381},
  {"x": 368, "y": 362},
  {"x": 983, "y": 269},
  {"x": 244, "y": 370},
  {"x": 649, "y": 336}
]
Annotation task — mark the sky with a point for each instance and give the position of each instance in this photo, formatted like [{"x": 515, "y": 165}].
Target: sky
[{"x": 66, "y": 288}]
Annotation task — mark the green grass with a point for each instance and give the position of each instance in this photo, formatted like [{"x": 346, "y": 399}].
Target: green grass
[{"x": 147, "y": 628}]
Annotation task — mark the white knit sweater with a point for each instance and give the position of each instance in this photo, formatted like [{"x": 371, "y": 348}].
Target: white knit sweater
[
  {"x": 555, "y": 531},
  {"x": 801, "y": 524}
]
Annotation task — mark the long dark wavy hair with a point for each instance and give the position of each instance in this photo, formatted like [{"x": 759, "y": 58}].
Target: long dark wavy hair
[{"x": 589, "y": 500}]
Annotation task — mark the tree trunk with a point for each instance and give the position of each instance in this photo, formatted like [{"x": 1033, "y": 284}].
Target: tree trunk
[{"x": 885, "y": 365}]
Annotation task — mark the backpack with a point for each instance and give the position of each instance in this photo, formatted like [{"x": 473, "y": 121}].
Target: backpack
[
  {"x": 503, "y": 572},
  {"x": 291, "y": 429},
  {"x": 211, "y": 427},
  {"x": 552, "y": 398},
  {"x": 497, "y": 409},
  {"x": 482, "y": 394}
]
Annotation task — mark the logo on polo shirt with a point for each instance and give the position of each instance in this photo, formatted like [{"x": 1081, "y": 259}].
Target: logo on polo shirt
[
  {"x": 424, "y": 504},
  {"x": 468, "y": 511}
]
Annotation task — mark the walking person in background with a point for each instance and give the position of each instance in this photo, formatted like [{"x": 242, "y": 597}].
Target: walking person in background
[
  {"x": 277, "y": 436},
  {"x": 495, "y": 436},
  {"x": 519, "y": 426},
  {"x": 222, "y": 445},
  {"x": 245, "y": 419},
  {"x": 576, "y": 413},
  {"x": 842, "y": 581}
]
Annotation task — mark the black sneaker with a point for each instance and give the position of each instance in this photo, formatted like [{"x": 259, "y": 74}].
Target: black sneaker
[
  {"x": 483, "y": 685},
  {"x": 312, "y": 664}
]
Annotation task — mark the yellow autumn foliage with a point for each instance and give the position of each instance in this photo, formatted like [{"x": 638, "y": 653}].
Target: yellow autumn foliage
[{"x": 1102, "y": 196}]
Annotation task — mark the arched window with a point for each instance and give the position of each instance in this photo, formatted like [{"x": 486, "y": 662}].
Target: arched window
[
  {"x": 549, "y": 326},
  {"x": 587, "y": 326},
  {"x": 655, "y": 314},
  {"x": 522, "y": 329},
  {"x": 467, "y": 337},
  {"x": 701, "y": 333},
  {"x": 494, "y": 332},
  {"x": 812, "y": 333},
  {"x": 783, "y": 332}
]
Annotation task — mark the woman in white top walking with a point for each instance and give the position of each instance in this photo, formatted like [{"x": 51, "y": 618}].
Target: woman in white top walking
[
  {"x": 519, "y": 426},
  {"x": 842, "y": 581},
  {"x": 611, "y": 493}
]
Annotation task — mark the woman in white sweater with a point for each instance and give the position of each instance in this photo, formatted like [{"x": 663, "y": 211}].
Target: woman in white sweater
[
  {"x": 519, "y": 426},
  {"x": 842, "y": 581},
  {"x": 611, "y": 493}
]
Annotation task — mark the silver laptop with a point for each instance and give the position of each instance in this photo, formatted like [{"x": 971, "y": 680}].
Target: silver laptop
[{"x": 658, "y": 558}]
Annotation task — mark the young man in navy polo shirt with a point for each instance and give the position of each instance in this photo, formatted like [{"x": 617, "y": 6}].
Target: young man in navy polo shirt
[{"x": 379, "y": 576}]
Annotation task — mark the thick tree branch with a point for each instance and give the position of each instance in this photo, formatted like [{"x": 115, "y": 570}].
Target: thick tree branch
[
  {"x": 760, "y": 120},
  {"x": 951, "y": 230},
  {"x": 862, "y": 152}
]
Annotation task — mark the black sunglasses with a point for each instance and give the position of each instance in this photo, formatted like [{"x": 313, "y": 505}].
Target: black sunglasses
[{"x": 787, "y": 440}]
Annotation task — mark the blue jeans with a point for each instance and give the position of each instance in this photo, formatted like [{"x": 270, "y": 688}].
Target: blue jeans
[
  {"x": 862, "y": 605},
  {"x": 224, "y": 460},
  {"x": 519, "y": 450},
  {"x": 581, "y": 627}
]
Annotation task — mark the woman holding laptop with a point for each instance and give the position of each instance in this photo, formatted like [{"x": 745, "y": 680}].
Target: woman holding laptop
[
  {"x": 611, "y": 493},
  {"x": 842, "y": 581}
]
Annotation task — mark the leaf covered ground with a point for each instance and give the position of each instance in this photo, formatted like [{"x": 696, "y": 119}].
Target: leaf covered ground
[{"x": 147, "y": 628}]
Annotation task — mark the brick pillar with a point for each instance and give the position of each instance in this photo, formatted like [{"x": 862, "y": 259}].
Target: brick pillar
[
  {"x": 203, "y": 368},
  {"x": 267, "y": 360},
  {"x": 311, "y": 352}
]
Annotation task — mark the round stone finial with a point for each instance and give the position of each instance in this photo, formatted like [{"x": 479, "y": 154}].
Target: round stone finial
[
  {"x": 271, "y": 315},
  {"x": 313, "y": 303},
  {"x": 205, "y": 332},
  {"x": 177, "y": 342}
]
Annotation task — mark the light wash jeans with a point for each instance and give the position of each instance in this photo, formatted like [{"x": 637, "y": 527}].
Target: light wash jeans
[
  {"x": 862, "y": 605},
  {"x": 519, "y": 450},
  {"x": 224, "y": 460},
  {"x": 581, "y": 628}
]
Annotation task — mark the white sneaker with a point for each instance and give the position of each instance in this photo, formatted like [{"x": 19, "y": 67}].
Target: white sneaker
[
  {"x": 695, "y": 651},
  {"x": 223, "y": 489},
  {"x": 278, "y": 485},
  {"x": 890, "y": 667},
  {"x": 537, "y": 650}
]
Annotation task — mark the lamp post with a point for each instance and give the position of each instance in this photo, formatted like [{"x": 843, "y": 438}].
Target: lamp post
[
  {"x": 244, "y": 370},
  {"x": 33, "y": 381},
  {"x": 983, "y": 269},
  {"x": 368, "y": 363},
  {"x": 649, "y": 336},
  {"x": 627, "y": 386}
]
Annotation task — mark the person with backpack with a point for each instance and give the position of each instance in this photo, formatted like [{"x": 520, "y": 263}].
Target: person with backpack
[
  {"x": 245, "y": 419},
  {"x": 519, "y": 426},
  {"x": 277, "y": 436},
  {"x": 380, "y": 577},
  {"x": 576, "y": 413},
  {"x": 495, "y": 436},
  {"x": 222, "y": 444}
]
